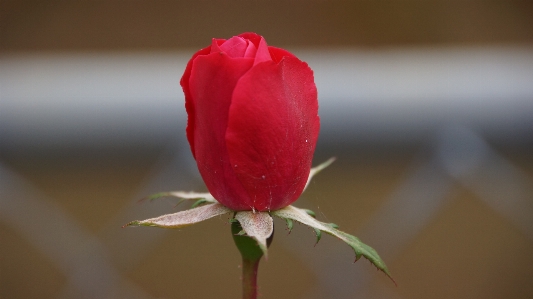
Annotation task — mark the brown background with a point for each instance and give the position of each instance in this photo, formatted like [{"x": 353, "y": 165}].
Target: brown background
[
  {"x": 164, "y": 24},
  {"x": 466, "y": 250}
]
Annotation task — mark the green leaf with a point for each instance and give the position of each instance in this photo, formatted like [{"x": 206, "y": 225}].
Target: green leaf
[
  {"x": 257, "y": 225},
  {"x": 184, "y": 218},
  {"x": 360, "y": 249}
]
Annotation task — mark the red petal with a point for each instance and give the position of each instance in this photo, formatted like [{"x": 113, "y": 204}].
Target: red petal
[
  {"x": 189, "y": 101},
  {"x": 253, "y": 37},
  {"x": 277, "y": 53},
  {"x": 212, "y": 81},
  {"x": 234, "y": 47},
  {"x": 272, "y": 131},
  {"x": 262, "y": 54},
  {"x": 250, "y": 50}
]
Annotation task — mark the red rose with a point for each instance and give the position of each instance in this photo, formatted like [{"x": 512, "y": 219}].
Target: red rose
[{"x": 253, "y": 121}]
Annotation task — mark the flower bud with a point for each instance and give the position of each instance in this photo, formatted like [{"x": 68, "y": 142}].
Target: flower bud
[{"x": 252, "y": 122}]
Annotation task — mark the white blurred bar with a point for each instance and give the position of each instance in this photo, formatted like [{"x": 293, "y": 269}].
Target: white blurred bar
[{"x": 399, "y": 94}]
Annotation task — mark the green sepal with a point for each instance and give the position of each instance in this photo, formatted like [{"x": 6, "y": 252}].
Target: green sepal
[
  {"x": 360, "y": 248},
  {"x": 197, "y": 203},
  {"x": 248, "y": 247},
  {"x": 156, "y": 196},
  {"x": 318, "y": 235},
  {"x": 290, "y": 224},
  {"x": 183, "y": 196},
  {"x": 257, "y": 225},
  {"x": 184, "y": 218},
  {"x": 309, "y": 212},
  {"x": 317, "y": 169},
  {"x": 332, "y": 225}
]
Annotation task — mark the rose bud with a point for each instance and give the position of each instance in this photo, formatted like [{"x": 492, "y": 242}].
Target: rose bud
[{"x": 252, "y": 122}]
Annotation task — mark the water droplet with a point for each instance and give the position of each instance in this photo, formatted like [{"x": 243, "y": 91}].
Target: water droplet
[
  {"x": 306, "y": 140},
  {"x": 263, "y": 177}
]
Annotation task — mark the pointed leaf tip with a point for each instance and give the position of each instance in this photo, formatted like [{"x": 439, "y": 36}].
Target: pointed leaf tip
[{"x": 132, "y": 223}]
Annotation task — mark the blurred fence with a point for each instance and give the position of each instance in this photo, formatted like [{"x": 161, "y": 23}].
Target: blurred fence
[{"x": 399, "y": 97}]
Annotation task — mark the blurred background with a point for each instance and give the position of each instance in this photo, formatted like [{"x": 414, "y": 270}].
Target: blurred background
[{"x": 428, "y": 106}]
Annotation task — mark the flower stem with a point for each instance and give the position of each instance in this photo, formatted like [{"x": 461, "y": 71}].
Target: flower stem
[
  {"x": 249, "y": 278},
  {"x": 251, "y": 256}
]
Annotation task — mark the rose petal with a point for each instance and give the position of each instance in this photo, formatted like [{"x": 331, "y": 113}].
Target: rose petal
[
  {"x": 272, "y": 131},
  {"x": 189, "y": 101},
  {"x": 251, "y": 50},
  {"x": 277, "y": 54},
  {"x": 215, "y": 45},
  {"x": 262, "y": 54},
  {"x": 252, "y": 37},
  {"x": 234, "y": 47},
  {"x": 212, "y": 81}
]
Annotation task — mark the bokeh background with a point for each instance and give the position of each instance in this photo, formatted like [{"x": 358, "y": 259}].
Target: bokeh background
[{"x": 428, "y": 106}]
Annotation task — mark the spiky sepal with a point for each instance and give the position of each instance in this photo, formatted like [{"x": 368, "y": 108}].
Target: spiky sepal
[{"x": 259, "y": 226}]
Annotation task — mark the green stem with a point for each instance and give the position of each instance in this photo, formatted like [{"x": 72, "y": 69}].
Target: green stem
[
  {"x": 251, "y": 256},
  {"x": 249, "y": 278}
]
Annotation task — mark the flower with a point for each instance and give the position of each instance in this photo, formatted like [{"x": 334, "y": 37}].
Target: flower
[
  {"x": 252, "y": 128},
  {"x": 252, "y": 122}
]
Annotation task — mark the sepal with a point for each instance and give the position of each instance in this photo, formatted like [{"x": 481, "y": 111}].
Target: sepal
[
  {"x": 183, "y": 196},
  {"x": 317, "y": 169},
  {"x": 257, "y": 225},
  {"x": 184, "y": 218},
  {"x": 360, "y": 249}
]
